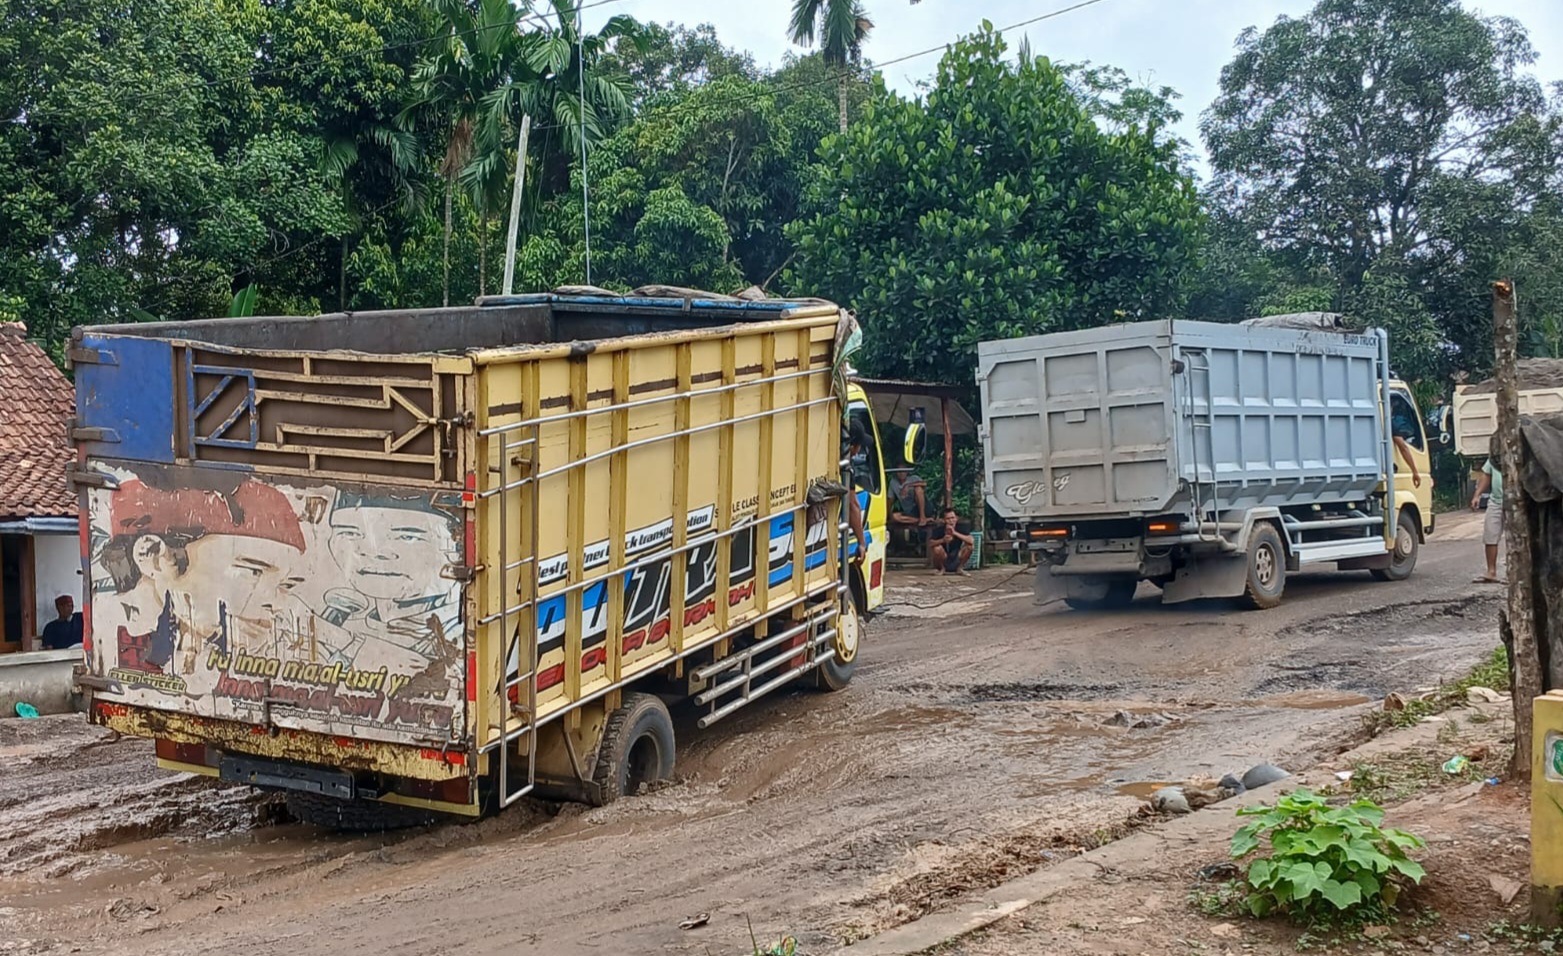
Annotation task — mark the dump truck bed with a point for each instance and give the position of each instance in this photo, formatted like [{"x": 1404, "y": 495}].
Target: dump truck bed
[{"x": 1144, "y": 418}]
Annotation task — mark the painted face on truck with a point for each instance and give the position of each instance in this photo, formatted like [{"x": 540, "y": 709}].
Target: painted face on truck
[
  {"x": 253, "y": 576},
  {"x": 393, "y": 553}
]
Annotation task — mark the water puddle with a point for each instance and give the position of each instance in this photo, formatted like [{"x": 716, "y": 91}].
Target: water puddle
[{"x": 1140, "y": 789}]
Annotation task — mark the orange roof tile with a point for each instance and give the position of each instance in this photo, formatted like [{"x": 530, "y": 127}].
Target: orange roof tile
[{"x": 36, "y": 406}]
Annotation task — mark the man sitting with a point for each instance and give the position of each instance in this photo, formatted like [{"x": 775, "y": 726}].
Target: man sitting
[
  {"x": 909, "y": 495},
  {"x": 948, "y": 548},
  {"x": 64, "y": 631}
]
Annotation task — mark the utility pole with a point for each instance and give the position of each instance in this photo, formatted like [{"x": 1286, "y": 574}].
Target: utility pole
[
  {"x": 515, "y": 207},
  {"x": 1517, "y": 623}
]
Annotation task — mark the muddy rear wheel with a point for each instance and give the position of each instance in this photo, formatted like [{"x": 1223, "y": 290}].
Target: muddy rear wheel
[
  {"x": 637, "y": 749},
  {"x": 1104, "y": 595},
  {"x": 355, "y": 816},
  {"x": 1266, "y": 569},
  {"x": 835, "y": 672}
]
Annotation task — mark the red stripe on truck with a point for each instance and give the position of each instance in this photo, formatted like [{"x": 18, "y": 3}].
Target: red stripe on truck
[{"x": 472, "y": 675}]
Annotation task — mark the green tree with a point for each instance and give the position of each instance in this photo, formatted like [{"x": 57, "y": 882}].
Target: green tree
[
  {"x": 995, "y": 207},
  {"x": 140, "y": 167},
  {"x": 839, "y": 28},
  {"x": 1397, "y": 147}
]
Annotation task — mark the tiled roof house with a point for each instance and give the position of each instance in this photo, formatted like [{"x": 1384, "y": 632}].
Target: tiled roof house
[{"x": 39, "y": 556}]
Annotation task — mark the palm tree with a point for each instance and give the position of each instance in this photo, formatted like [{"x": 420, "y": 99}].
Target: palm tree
[
  {"x": 481, "y": 52},
  {"x": 839, "y": 27},
  {"x": 493, "y": 71}
]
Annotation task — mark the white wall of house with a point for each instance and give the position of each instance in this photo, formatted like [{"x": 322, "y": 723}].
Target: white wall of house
[{"x": 56, "y": 571}]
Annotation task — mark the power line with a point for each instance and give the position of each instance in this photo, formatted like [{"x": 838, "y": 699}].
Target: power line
[{"x": 877, "y": 65}]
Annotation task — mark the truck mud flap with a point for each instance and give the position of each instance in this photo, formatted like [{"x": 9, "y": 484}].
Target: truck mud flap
[
  {"x": 276, "y": 775},
  {"x": 1207, "y": 576}
]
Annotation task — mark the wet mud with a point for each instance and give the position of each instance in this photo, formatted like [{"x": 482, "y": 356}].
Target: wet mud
[{"x": 982, "y": 738}]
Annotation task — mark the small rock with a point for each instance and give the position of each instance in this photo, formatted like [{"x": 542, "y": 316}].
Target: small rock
[
  {"x": 1198, "y": 798},
  {"x": 1547, "y": 946},
  {"x": 1476, "y": 753},
  {"x": 1483, "y": 695},
  {"x": 1423, "y": 942},
  {"x": 1225, "y": 931},
  {"x": 1150, "y": 720},
  {"x": 1263, "y": 775},
  {"x": 1394, "y": 702},
  {"x": 1170, "y": 800},
  {"x": 1230, "y": 782},
  {"x": 1506, "y": 888},
  {"x": 1121, "y": 719},
  {"x": 1375, "y": 932}
]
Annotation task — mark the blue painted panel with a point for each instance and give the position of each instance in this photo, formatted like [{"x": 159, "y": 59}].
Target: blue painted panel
[{"x": 131, "y": 392}]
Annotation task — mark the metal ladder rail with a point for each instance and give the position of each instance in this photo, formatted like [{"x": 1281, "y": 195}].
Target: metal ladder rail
[
  {"x": 525, "y": 633},
  {"x": 1202, "y": 423}
]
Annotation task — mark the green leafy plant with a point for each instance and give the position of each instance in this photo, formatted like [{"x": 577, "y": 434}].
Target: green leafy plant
[{"x": 1325, "y": 863}]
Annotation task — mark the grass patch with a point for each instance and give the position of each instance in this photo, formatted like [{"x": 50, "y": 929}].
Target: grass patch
[{"x": 1493, "y": 673}]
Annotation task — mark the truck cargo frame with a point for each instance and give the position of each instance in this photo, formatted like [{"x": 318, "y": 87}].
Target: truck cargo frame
[{"x": 532, "y": 447}]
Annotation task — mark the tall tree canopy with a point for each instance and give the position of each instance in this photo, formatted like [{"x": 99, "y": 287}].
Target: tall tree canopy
[
  {"x": 995, "y": 207},
  {"x": 1394, "y": 147}
]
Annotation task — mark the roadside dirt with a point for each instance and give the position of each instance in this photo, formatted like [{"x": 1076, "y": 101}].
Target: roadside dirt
[
  {"x": 1473, "y": 900},
  {"x": 977, "y": 741}
]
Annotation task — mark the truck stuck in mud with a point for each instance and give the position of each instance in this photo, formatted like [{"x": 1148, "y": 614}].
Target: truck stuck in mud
[{"x": 429, "y": 561}]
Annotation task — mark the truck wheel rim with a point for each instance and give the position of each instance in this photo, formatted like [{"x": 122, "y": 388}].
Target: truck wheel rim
[
  {"x": 1403, "y": 544},
  {"x": 846, "y": 635},
  {"x": 1264, "y": 566}
]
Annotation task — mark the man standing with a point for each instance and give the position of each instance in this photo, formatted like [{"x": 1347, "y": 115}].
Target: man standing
[
  {"x": 65, "y": 630},
  {"x": 949, "y": 548},
  {"x": 1492, "y": 525}
]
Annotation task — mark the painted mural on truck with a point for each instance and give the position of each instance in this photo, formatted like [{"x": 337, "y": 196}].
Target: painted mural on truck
[{"x": 311, "y": 606}]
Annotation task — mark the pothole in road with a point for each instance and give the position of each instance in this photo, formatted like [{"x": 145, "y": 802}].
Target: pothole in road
[
  {"x": 1417, "y": 635},
  {"x": 1384, "y": 622},
  {"x": 1029, "y": 691}
]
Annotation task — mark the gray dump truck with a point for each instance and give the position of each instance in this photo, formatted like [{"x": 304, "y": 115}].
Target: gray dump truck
[{"x": 1208, "y": 459}]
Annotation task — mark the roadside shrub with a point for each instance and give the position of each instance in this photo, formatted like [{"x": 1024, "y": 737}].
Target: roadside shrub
[{"x": 1325, "y": 864}]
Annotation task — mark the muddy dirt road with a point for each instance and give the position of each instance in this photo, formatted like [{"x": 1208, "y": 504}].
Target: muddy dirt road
[{"x": 979, "y": 739}]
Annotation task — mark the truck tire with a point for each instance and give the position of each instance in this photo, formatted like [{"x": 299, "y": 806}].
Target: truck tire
[
  {"x": 355, "y": 816},
  {"x": 835, "y": 672},
  {"x": 1402, "y": 561},
  {"x": 637, "y": 749},
  {"x": 1114, "y": 594},
  {"x": 1266, "y": 569}
]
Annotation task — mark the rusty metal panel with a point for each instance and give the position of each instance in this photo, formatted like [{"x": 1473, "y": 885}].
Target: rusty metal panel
[
  {"x": 420, "y": 763},
  {"x": 302, "y": 604},
  {"x": 339, "y": 414}
]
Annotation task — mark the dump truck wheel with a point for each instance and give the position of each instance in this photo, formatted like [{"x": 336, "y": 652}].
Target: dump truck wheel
[
  {"x": 355, "y": 816},
  {"x": 637, "y": 749},
  {"x": 1402, "y": 560},
  {"x": 835, "y": 672},
  {"x": 1266, "y": 569},
  {"x": 1115, "y": 593}
]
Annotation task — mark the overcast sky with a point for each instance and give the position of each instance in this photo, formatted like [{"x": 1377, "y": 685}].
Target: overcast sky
[{"x": 1180, "y": 43}]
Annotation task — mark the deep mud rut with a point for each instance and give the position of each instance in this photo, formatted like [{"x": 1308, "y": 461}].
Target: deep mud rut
[{"x": 975, "y": 743}]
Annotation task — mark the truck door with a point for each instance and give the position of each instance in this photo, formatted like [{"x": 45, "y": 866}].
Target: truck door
[
  {"x": 871, "y": 495},
  {"x": 1406, "y": 422}
]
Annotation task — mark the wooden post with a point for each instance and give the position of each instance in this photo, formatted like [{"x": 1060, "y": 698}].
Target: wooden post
[
  {"x": 1519, "y": 624},
  {"x": 949, "y": 454}
]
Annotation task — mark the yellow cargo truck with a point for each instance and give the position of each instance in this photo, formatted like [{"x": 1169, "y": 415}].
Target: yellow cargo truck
[{"x": 424, "y": 561}]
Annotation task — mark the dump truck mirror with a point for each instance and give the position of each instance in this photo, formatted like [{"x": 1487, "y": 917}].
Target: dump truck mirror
[
  {"x": 1441, "y": 421},
  {"x": 916, "y": 437}
]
